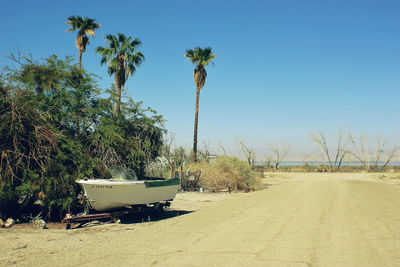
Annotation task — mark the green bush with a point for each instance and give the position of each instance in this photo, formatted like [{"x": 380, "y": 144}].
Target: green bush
[
  {"x": 227, "y": 173},
  {"x": 56, "y": 128}
]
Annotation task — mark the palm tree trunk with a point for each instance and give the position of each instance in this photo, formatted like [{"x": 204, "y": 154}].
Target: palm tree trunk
[
  {"x": 119, "y": 77},
  {"x": 80, "y": 59},
  {"x": 196, "y": 119},
  {"x": 118, "y": 100}
]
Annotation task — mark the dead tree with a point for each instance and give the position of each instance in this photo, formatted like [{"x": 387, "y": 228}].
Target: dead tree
[
  {"x": 370, "y": 160},
  {"x": 360, "y": 152},
  {"x": 205, "y": 152},
  {"x": 277, "y": 153},
  {"x": 340, "y": 149},
  {"x": 320, "y": 139},
  {"x": 389, "y": 157},
  {"x": 248, "y": 152},
  {"x": 381, "y": 154},
  {"x": 166, "y": 150}
]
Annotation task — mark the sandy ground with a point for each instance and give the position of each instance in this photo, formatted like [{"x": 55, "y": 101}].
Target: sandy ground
[{"x": 299, "y": 220}]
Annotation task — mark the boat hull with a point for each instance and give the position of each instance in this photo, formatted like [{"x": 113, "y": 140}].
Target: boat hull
[{"x": 108, "y": 194}]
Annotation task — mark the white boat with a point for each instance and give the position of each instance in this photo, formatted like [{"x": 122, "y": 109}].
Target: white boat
[{"x": 112, "y": 194}]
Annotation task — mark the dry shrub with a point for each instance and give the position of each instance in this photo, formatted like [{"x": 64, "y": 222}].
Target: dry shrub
[{"x": 227, "y": 173}]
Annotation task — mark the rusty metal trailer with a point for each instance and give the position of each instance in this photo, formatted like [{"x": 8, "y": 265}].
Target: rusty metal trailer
[{"x": 83, "y": 218}]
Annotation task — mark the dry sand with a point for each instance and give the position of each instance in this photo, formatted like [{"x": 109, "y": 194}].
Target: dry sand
[{"x": 301, "y": 220}]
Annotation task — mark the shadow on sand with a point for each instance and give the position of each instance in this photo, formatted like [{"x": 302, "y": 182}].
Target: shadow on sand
[{"x": 151, "y": 216}]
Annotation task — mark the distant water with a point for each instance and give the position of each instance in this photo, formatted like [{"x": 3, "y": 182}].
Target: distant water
[{"x": 316, "y": 163}]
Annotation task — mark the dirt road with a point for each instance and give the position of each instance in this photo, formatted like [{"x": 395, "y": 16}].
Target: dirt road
[{"x": 303, "y": 220}]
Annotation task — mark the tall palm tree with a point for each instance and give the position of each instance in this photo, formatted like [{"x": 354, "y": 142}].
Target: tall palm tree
[
  {"x": 85, "y": 27},
  {"x": 121, "y": 59},
  {"x": 200, "y": 57}
]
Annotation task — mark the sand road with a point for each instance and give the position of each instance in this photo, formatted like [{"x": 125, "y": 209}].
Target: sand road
[{"x": 303, "y": 220}]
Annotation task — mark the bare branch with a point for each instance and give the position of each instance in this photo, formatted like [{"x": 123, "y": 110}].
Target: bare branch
[
  {"x": 320, "y": 139},
  {"x": 247, "y": 151},
  {"x": 279, "y": 152},
  {"x": 222, "y": 148},
  {"x": 362, "y": 153}
]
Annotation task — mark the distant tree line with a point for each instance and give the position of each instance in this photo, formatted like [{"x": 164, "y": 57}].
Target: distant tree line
[{"x": 371, "y": 158}]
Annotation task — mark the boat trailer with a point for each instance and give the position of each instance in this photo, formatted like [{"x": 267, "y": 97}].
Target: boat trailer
[{"x": 83, "y": 218}]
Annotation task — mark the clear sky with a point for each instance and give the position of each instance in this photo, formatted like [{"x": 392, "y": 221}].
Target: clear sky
[{"x": 284, "y": 68}]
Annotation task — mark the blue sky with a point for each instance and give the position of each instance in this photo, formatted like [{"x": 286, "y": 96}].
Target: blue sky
[{"x": 284, "y": 68}]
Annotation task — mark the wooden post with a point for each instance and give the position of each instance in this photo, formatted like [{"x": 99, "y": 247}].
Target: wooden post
[
  {"x": 181, "y": 178},
  {"x": 172, "y": 169}
]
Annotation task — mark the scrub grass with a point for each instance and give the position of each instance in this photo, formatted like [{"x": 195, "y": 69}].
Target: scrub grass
[{"x": 226, "y": 172}]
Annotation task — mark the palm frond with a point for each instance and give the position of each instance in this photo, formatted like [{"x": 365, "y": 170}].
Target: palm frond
[
  {"x": 200, "y": 57},
  {"x": 85, "y": 26},
  {"x": 90, "y": 32},
  {"x": 136, "y": 43},
  {"x": 120, "y": 56},
  {"x": 121, "y": 38}
]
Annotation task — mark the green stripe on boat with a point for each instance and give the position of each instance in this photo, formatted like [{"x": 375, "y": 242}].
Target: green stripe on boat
[{"x": 158, "y": 183}]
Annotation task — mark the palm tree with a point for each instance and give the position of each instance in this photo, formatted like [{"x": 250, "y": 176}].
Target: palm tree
[
  {"x": 85, "y": 27},
  {"x": 121, "y": 59},
  {"x": 200, "y": 57}
]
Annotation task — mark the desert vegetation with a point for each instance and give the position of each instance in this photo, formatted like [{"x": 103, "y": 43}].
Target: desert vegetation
[
  {"x": 58, "y": 126},
  {"x": 55, "y": 129},
  {"x": 226, "y": 173}
]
